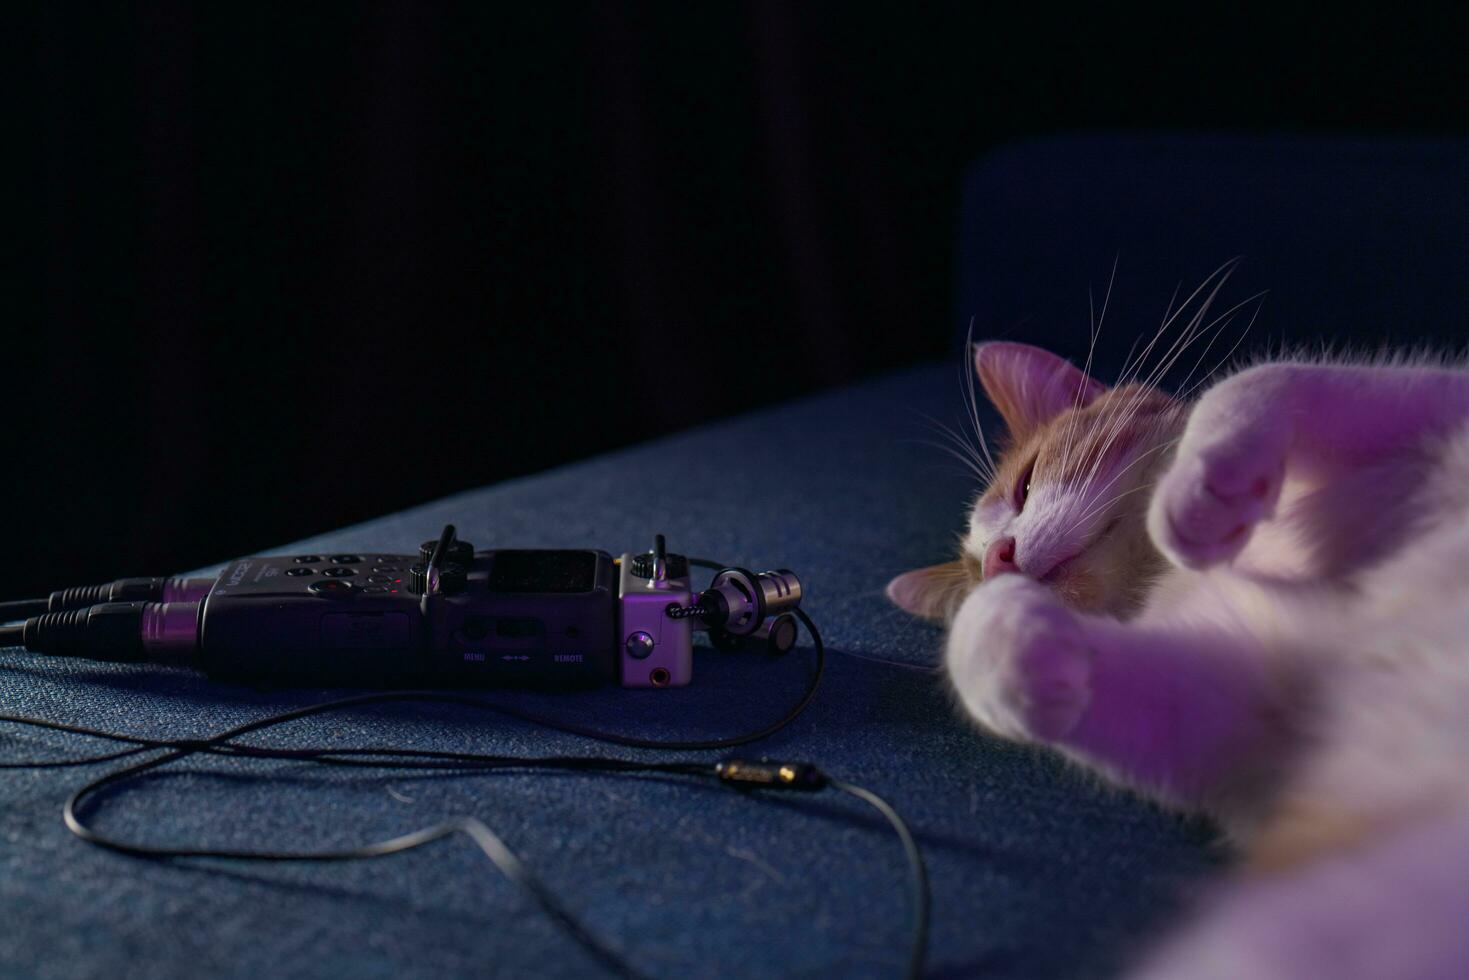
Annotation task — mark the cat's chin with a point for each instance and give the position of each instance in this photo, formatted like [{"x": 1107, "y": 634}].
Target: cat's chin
[
  {"x": 1061, "y": 569},
  {"x": 1081, "y": 579},
  {"x": 1070, "y": 566}
]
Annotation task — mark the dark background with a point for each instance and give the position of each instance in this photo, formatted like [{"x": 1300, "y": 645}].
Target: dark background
[{"x": 283, "y": 268}]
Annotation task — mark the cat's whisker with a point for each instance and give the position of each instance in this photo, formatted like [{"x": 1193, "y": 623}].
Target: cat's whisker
[
  {"x": 1216, "y": 327},
  {"x": 1107, "y": 299},
  {"x": 1126, "y": 411},
  {"x": 961, "y": 446},
  {"x": 1118, "y": 416},
  {"x": 971, "y": 404},
  {"x": 1115, "y": 424},
  {"x": 1222, "y": 275},
  {"x": 958, "y": 444},
  {"x": 974, "y": 422},
  {"x": 1171, "y": 300},
  {"x": 1188, "y": 335},
  {"x": 969, "y": 466},
  {"x": 1105, "y": 504},
  {"x": 1184, "y": 395},
  {"x": 1086, "y": 370},
  {"x": 976, "y": 459},
  {"x": 946, "y": 429},
  {"x": 1186, "y": 339},
  {"x": 1091, "y": 319},
  {"x": 1224, "y": 271},
  {"x": 1230, "y": 313},
  {"x": 957, "y": 435},
  {"x": 1162, "y": 446},
  {"x": 1223, "y": 324}
]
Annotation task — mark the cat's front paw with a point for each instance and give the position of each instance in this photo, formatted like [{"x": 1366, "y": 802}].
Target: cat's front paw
[
  {"x": 1218, "y": 488},
  {"x": 1020, "y": 660}
]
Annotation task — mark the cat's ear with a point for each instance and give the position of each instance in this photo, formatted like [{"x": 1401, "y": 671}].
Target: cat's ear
[
  {"x": 933, "y": 592},
  {"x": 1030, "y": 386}
]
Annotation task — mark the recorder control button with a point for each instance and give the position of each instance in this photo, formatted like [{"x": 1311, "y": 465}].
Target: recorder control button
[
  {"x": 376, "y": 589},
  {"x": 345, "y": 559},
  {"x": 339, "y": 572},
  {"x": 331, "y": 588},
  {"x": 639, "y": 645},
  {"x": 300, "y": 571},
  {"x": 306, "y": 559}
]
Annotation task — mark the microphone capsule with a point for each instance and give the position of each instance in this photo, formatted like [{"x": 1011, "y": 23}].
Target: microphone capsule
[{"x": 745, "y": 600}]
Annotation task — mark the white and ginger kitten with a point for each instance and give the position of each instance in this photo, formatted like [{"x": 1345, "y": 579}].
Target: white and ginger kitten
[{"x": 1254, "y": 606}]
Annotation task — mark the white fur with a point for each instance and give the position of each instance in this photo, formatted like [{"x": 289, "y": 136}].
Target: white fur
[{"x": 1320, "y": 656}]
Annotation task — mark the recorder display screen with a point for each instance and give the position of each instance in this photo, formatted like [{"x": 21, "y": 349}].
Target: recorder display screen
[{"x": 543, "y": 571}]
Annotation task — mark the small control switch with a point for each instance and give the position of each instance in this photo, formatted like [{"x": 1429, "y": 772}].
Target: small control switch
[{"x": 639, "y": 645}]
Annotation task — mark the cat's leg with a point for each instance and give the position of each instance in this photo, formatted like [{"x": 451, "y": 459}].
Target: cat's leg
[
  {"x": 1317, "y": 419},
  {"x": 1176, "y": 712},
  {"x": 1392, "y": 905}
]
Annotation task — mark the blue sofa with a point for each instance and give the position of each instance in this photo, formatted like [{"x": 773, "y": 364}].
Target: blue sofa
[{"x": 1037, "y": 869}]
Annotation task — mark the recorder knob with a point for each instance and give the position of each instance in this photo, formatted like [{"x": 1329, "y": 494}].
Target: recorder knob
[
  {"x": 452, "y": 578},
  {"x": 677, "y": 566}
]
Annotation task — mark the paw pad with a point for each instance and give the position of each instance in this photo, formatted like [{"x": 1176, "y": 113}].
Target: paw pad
[
  {"x": 1210, "y": 500},
  {"x": 1020, "y": 660}
]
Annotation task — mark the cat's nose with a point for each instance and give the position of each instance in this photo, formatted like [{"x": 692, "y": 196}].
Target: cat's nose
[{"x": 999, "y": 557}]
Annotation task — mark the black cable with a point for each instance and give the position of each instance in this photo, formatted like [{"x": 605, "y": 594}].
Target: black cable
[
  {"x": 489, "y": 843},
  {"x": 917, "y": 871},
  {"x": 483, "y": 837},
  {"x": 74, "y": 763},
  {"x": 21, "y": 608},
  {"x": 12, "y": 635}
]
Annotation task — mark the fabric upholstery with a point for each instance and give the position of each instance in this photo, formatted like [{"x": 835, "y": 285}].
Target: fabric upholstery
[{"x": 1038, "y": 870}]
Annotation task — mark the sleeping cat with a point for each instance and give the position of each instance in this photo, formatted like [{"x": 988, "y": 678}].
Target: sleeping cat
[{"x": 1254, "y": 606}]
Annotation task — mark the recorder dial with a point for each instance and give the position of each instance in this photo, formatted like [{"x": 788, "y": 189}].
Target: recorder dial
[{"x": 452, "y": 578}]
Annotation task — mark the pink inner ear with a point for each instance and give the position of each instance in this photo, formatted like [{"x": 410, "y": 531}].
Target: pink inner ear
[
  {"x": 907, "y": 590},
  {"x": 928, "y": 592},
  {"x": 1030, "y": 386}
]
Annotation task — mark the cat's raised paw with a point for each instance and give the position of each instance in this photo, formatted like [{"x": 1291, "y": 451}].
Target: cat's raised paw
[
  {"x": 1211, "y": 498},
  {"x": 1020, "y": 660}
]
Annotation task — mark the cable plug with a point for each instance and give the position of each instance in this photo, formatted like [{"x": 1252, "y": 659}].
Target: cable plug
[
  {"x": 121, "y": 632},
  {"x": 156, "y": 589},
  {"x": 108, "y": 631},
  {"x": 771, "y": 775}
]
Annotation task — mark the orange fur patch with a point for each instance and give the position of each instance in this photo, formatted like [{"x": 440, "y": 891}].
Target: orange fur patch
[{"x": 1302, "y": 831}]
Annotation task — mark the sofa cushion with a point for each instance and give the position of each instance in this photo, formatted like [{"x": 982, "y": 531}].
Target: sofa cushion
[{"x": 1037, "y": 869}]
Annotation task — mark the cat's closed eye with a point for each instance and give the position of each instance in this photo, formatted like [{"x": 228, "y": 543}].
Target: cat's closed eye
[{"x": 1022, "y": 485}]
